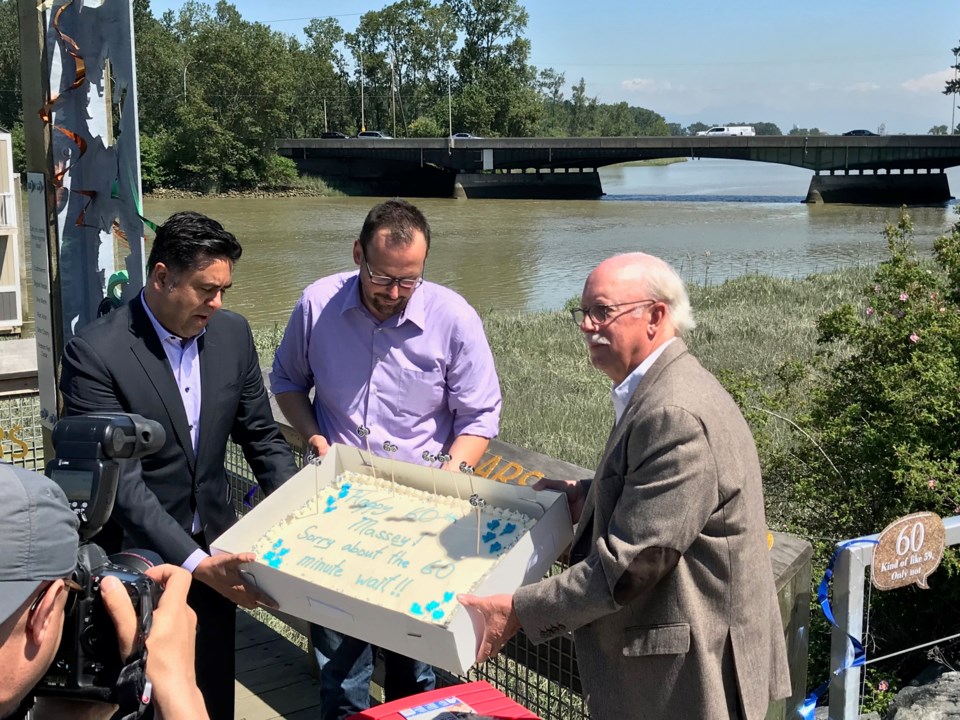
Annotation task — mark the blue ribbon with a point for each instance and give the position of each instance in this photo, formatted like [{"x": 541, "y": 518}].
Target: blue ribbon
[
  {"x": 807, "y": 708},
  {"x": 248, "y": 498}
]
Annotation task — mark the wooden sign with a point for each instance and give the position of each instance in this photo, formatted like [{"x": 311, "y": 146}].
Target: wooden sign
[{"x": 908, "y": 551}]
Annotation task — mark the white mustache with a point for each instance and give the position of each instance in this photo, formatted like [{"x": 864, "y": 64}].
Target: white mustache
[{"x": 595, "y": 339}]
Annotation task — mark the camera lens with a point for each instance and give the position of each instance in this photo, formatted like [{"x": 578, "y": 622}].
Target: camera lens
[{"x": 136, "y": 559}]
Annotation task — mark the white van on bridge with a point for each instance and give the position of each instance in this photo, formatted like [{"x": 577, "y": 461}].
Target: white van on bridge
[{"x": 728, "y": 130}]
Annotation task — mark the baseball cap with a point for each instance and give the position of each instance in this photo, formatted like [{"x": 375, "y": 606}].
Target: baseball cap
[{"x": 38, "y": 535}]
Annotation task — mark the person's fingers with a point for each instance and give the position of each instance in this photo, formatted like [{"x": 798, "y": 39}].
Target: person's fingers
[
  {"x": 238, "y": 559},
  {"x": 175, "y": 581},
  {"x": 261, "y": 598},
  {"x": 120, "y": 609}
]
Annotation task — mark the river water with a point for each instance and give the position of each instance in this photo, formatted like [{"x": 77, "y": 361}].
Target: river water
[{"x": 712, "y": 219}]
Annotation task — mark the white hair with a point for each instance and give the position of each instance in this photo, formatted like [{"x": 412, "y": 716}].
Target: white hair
[{"x": 662, "y": 283}]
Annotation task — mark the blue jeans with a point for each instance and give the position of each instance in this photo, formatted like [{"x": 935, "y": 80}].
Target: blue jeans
[{"x": 346, "y": 666}]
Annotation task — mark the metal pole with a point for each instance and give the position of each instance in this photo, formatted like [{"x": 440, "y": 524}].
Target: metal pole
[
  {"x": 393, "y": 91},
  {"x": 449, "y": 106},
  {"x": 363, "y": 121},
  {"x": 953, "y": 109}
]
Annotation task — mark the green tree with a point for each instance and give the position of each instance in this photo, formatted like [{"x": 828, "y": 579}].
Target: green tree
[
  {"x": 953, "y": 85},
  {"x": 425, "y": 127},
  {"x": 582, "y": 111},
  {"x": 11, "y": 101},
  {"x": 938, "y": 130},
  {"x": 766, "y": 128}
]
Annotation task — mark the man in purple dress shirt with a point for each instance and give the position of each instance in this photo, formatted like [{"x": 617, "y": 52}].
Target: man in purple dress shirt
[{"x": 405, "y": 358}]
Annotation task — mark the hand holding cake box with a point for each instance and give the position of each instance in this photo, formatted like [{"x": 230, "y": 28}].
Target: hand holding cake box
[{"x": 368, "y": 546}]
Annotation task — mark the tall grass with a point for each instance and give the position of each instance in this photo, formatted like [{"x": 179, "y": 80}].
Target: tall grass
[{"x": 556, "y": 403}]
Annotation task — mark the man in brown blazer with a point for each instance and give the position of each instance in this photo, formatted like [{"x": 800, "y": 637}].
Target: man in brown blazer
[{"x": 669, "y": 594}]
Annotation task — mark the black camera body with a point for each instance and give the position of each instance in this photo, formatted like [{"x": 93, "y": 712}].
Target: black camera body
[{"x": 87, "y": 665}]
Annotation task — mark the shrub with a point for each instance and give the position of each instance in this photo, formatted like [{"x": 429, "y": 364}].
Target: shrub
[
  {"x": 280, "y": 171},
  {"x": 883, "y": 409}
]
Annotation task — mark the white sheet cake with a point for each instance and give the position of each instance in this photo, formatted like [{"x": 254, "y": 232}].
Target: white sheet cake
[{"x": 388, "y": 544}]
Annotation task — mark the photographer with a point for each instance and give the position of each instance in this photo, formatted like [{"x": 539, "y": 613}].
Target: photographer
[{"x": 38, "y": 555}]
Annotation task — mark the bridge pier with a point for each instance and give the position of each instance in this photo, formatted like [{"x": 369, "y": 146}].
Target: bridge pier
[
  {"x": 880, "y": 189},
  {"x": 532, "y": 186}
]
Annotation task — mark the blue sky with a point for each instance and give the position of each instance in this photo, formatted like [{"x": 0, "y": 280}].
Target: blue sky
[{"x": 834, "y": 65}]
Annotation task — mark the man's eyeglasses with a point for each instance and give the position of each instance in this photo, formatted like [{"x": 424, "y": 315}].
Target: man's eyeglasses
[
  {"x": 599, "y": 314},
  {"x": 387, "y": 281},
  {"x": 73, "y": 587}
]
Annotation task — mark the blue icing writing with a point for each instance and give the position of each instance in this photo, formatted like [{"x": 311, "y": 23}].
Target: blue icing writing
[
  {"x": 493, "y": 524},
  {"x": 367, "y": 527},
  {"x": 508, "y": 528},
  {"x": 318, "y": 541},
  {"x": 496, "y": 547},
  {"x": 319, "y": 565},
  {"x": 488, "y": 537},
  {"x": 371, "y": 506},
  {"x": 376, "y": 583},
  {"x": 416, "y": 609},
  {"x": 358, "y": 549}
]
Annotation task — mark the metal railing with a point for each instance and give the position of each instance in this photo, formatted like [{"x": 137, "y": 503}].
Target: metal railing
[
  {"x": 849, "y": 577},
  {"x": 8, "y": 213}
]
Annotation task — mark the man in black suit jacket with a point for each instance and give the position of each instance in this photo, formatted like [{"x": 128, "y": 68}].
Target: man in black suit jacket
[{"x": 155, "y": 356}]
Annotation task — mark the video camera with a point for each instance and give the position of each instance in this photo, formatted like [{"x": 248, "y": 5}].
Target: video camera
[{"x": 88, "y": 665}]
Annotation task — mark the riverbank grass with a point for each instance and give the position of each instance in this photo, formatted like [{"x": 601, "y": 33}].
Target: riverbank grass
[{"x": 556, "y": 403}]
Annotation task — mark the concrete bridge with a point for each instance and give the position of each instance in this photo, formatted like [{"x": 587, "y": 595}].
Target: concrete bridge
[{"x": 890, "y": 169}]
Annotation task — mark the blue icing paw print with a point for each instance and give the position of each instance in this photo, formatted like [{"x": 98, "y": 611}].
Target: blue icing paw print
[
  {"x": 274, "y": 557},
  {"x": 331, "y": 504},
  {"x": 496, "y": 547},
  {"x": 432, "y": 605},
  {"x": 416, "y": 609},
  {"x": 488, "y": 537},
  {"x": 344, "y": 491},
  {"x": 508, "y": 528},
  {"x": 447, "y": 596},
  {"x": 493, "y": 524},
  {"x": 437, "y": 614}
]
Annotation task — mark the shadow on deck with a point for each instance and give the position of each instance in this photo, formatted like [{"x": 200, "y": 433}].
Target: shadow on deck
[{"x": 273, "y": 677}]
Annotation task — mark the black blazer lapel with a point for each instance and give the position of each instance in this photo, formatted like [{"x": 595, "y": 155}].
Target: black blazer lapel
[{"x": 149, "y": 352}]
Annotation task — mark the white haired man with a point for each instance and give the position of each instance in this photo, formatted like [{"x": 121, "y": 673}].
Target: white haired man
[{"x": 669, "y": 594}]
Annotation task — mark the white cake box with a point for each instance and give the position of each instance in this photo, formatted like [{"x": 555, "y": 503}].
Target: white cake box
[{"x": 452, "y": 647}]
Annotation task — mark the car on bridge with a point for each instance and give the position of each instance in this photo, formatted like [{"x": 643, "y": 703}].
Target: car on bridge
[
  {"x": 373, "y": 135},
  {"x": 465, "y": 136},
  {"x": 860, "y": 133}
]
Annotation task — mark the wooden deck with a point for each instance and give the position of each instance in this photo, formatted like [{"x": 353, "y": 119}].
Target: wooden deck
[{"x": 273, "y": 675}]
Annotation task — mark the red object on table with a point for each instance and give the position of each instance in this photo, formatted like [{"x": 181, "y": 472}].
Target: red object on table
[{"x": 484, "y": 699}]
